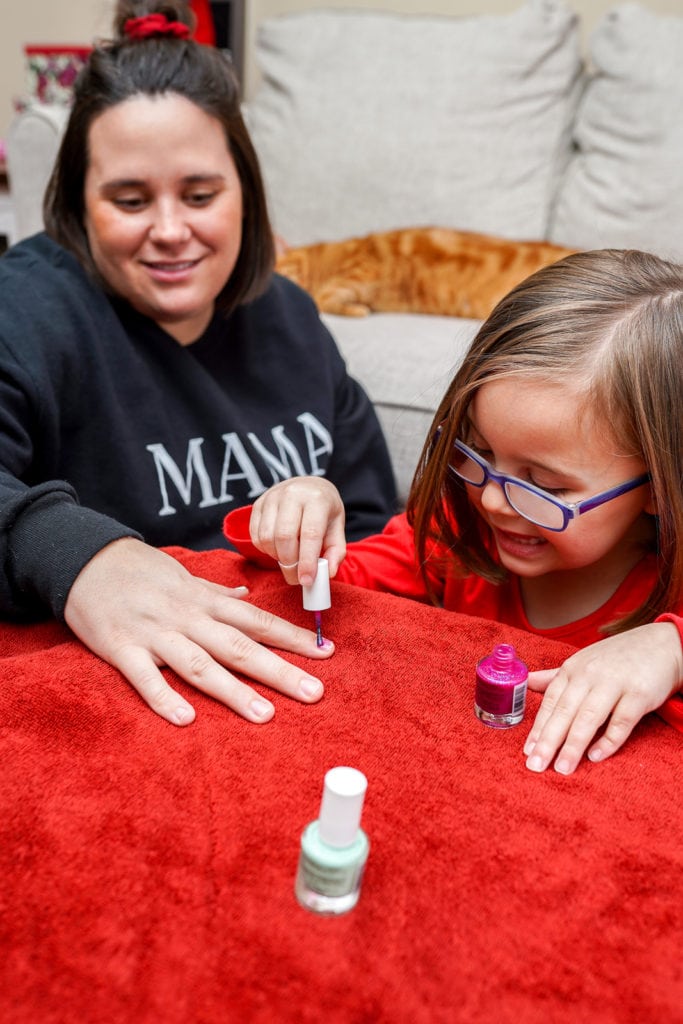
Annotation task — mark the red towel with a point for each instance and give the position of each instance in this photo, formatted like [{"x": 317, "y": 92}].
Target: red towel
[{"x": 148, "y": 870}]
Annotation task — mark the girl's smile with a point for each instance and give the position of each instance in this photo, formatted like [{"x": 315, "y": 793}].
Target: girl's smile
[{"x": 518, "y": 545}]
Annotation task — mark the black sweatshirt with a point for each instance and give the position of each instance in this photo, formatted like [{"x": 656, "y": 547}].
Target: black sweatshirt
[{"x": 110, "y": 428}]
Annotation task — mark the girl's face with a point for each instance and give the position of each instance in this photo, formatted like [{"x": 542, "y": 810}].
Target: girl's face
[
  {"x": 163, "y": 209},
  {"x": 533, "y": 430}
]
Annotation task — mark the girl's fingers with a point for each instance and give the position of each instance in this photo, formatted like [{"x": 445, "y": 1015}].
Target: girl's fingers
[
  {"x": 563, "y": 719},
  {"x": 290, "y": 572},
  {"x": 554, "y": 686},
  {"x": 541, "y": 679},
  {"x": 624, "y": 718}
]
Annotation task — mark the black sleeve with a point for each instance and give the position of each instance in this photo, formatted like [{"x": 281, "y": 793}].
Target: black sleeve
[{"x": 46, "y": 538}]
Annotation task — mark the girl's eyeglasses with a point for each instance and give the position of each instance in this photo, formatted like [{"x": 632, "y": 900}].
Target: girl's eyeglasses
[{"x": 529, "y": 501}]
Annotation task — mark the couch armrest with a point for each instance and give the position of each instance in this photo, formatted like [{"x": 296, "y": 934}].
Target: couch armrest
[{"x": 32, "y": 143}]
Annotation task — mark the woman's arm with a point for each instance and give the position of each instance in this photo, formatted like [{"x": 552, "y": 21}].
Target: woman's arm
[{"x": 140, "y": 610}]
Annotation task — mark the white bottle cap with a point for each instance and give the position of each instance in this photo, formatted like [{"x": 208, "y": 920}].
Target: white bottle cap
[
  {"x": 341, "y": 806},
  {"x": 317, "y": 596}
]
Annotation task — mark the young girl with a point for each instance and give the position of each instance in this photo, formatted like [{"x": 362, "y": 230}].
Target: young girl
[{"x": 549, "y": 496}]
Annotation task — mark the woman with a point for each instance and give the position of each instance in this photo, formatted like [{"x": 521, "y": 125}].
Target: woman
[{"x": 154, "y": 373}]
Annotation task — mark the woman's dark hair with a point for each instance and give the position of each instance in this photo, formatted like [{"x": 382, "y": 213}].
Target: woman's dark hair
[
  {"x": 155, "y": 66},
  {"x": 609, "y": 322}
]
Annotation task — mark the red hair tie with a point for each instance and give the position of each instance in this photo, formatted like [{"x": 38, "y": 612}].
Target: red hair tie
[{"x": 155, "y": 25}]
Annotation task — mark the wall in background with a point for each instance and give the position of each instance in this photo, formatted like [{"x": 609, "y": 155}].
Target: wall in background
[
  {"x": 53, "y": 22},
  {"x": 79, "y": 21}
]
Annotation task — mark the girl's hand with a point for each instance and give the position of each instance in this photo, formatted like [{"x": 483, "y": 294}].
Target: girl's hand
[
  {"x": 139, "y": 609},
  {"x": 615, "y": 681},
  {"x": 297, "y": 522}
]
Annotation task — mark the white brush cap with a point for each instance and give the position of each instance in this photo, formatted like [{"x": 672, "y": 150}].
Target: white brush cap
[
  {"x": 317, "y": 596},
  {"x": 341, "y": 806}
]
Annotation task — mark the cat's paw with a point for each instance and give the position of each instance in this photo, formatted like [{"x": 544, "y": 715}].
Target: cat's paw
[{"x": 354, "y": 309}]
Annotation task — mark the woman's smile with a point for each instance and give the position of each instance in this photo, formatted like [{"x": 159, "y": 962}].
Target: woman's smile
[{"x": 167, "y": 270}]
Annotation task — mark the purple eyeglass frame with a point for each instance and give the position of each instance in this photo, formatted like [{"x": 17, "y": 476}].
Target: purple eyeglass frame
[{"x": 569, "y": 509}]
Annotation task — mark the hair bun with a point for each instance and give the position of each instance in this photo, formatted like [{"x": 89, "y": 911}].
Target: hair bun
[{"x": 173, "y": 12}]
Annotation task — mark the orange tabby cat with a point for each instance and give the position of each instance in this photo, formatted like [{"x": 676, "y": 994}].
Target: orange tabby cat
[{"x": 415, "y": 270}]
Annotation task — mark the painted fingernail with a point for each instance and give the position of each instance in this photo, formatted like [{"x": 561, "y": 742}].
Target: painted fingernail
[
  {"x": 326, "y": 644},
  {"x": 182, "y": 715},
  {"x": 261, "y": 709},
  {"x": 562, "y": 766},
  {"x": 535, "y": 764},
  {"x": 310, "y": 688}
]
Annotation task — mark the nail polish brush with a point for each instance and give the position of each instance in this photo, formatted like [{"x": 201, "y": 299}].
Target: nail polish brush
[{"x": 317, "y": 597}]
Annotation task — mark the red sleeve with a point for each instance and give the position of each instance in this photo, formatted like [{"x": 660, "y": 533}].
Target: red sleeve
[
  {"x": 672, "y": 710},
  {"x": 387, "y": 562}
]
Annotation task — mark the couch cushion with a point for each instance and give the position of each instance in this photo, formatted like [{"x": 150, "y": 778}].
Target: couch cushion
[
  {"x": 373, "y": 121},
  {"x": 624, "y": 186},
  {"x": 380, "y": 352}
]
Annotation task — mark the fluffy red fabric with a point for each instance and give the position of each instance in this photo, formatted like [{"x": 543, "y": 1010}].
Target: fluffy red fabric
[{"x": 148, "y": 870}]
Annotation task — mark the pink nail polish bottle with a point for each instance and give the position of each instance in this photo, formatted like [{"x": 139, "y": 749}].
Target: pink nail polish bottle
[{"x": 500, "y": 694}]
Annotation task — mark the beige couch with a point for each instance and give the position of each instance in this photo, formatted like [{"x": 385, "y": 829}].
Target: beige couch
[{"x": 494, "y": 123}]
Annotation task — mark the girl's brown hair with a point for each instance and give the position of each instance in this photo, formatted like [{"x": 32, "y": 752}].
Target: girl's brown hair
[
  {"x": 155, "y": 66},
  {"x": 610, "y": 320}
]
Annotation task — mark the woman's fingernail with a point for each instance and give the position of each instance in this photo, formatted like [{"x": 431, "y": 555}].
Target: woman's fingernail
[
  {"x": 261, "y": 709},
  {"x": 326, "y": 644},
  {"x": 183, "y": 715},
  {"x": 563, "y": 767},
  {"x": 310, "y": 688},
  {"x": 529, "y": 747},
  {"x": 535, "y": 764},
  {"x": 240, "y": 590},
  {"x": 595, "y": 755}
]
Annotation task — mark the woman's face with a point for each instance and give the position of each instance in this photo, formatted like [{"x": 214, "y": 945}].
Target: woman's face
[{"x": 163, "y": 209}]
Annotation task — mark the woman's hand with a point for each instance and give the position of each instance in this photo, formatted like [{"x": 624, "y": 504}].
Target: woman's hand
[
  {"x": 139, "y": 609},
  {"x": 615, "y": 681},
  {"x": 297, "y": 522}
]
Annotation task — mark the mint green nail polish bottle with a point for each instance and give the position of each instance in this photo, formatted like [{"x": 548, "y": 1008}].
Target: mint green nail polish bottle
[{"x": 334, "y": 848}]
